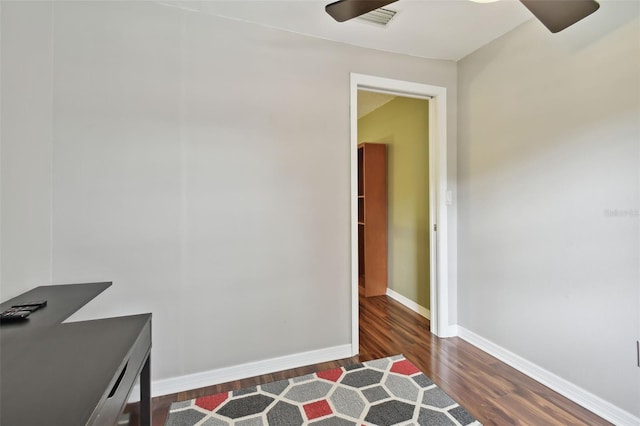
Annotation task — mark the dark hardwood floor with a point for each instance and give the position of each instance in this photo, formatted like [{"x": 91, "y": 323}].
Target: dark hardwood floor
[{"x": 493, "y": 392}]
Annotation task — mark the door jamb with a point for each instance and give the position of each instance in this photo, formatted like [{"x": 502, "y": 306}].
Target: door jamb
[{"x": 439, "y": 291}]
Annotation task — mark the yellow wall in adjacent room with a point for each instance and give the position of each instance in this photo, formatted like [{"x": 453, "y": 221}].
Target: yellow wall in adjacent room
[{"x": 402, "y": 124}]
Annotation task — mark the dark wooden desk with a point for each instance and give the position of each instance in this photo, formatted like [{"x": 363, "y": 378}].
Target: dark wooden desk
[{"x": 78, "y": 373}]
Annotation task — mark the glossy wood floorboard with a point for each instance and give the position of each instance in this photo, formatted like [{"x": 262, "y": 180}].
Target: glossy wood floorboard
[{"x": 493, "y": 392}]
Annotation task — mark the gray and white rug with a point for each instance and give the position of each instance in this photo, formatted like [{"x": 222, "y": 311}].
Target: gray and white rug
[{"x": 387, "y": 391}]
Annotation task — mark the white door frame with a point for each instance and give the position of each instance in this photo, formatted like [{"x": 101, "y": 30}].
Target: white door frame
[{"x": 438, "y": 270}]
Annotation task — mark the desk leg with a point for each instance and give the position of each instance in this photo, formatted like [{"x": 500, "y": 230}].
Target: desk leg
[{"x": 145, "y": 393}]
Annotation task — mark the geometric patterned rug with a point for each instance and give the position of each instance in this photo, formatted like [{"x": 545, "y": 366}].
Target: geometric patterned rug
[{"x": 387, "y": 391}]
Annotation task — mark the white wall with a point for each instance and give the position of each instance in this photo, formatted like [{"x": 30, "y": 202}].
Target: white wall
[
  {"x": 201, "y": 164},
  {"x": 549, "y": 135},
  {"x": 25, "y": 104}
]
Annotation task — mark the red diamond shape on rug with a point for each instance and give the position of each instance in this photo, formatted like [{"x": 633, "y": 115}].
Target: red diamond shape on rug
[
  {"x": 332, "y": 375},
  {"x": 404, "y": 367},
  {"x": 212, "y": 402},
  {"x": 317, "y": 409}
]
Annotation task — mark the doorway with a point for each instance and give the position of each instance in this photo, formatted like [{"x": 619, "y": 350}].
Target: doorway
[
  {"x": 438, "y": 256},
  {"x": 393, "y": 197}
]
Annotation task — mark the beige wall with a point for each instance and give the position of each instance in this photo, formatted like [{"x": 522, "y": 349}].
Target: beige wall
[
  {"x": 200, "y": 163},
  {"x": 402, "y": 124},
  {"x": 549, "y": 234}
]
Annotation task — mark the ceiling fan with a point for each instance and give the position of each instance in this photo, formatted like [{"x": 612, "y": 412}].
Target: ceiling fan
[{"x": 556, "y": 15}]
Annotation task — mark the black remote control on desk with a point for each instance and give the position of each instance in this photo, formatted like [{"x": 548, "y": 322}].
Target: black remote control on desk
[{"x": 14, "y": 314}]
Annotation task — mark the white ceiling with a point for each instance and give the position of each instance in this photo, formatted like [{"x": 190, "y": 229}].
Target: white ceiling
[{"x": 438, "y": 29}]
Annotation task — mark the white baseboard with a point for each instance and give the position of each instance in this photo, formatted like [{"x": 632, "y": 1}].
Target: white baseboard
[
  {"x": 452, "y": 331},
  {"x": 580, "y": 396},
  {"x": 409, "y": 303},
  {"x": 237, "y": 372}
]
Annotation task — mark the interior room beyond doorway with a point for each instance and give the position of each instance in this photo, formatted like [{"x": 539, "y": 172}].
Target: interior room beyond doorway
[{"x": 402, "y": 124}]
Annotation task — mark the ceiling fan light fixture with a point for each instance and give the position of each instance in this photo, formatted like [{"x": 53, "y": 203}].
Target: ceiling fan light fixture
[{"x": 556, "y": 15}]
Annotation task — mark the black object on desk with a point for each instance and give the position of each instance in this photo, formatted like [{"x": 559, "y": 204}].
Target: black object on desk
[
  {"x": 78, "y": 373},
  {"x": 13, "y": 314}
]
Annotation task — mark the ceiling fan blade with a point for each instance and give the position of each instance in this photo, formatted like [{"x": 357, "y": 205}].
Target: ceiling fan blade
[
  {"x": 557, "y": 15},
  {"x": 343, "y": 10}
]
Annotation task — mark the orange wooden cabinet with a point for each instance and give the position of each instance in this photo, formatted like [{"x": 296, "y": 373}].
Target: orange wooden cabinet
[{"x": 372, "y": 218}]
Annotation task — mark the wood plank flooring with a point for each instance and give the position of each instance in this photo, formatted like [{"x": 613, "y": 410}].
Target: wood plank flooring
[{"x": 493, "y": 392}]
